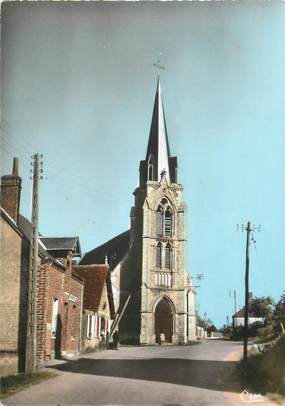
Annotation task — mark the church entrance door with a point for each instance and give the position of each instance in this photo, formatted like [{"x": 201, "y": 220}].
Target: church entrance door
[{"x": 164, "y": 320}]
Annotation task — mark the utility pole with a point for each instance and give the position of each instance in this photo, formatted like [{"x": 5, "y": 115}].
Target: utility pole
[
  {"x": 246, "y": 283},
  {"x": 248, "y": 230},
  {"x": 31, "y": 347}
]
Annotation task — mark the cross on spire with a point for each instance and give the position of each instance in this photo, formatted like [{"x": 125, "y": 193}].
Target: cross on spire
[
  {"x": 158, "y": 65},
  {"x": 163, "y": 173}
]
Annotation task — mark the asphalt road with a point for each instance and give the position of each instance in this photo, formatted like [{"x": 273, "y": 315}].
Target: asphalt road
[{"x": 198, "y": 375}]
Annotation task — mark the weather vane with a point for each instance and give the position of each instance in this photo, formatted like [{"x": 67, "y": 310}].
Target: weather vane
[{"x": 158, "y": 63}]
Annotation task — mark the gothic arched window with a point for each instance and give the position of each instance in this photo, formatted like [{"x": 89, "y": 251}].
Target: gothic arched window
[
  {"x": 168, "y": 222},
  {"x": 168, "y": 256},
  {"x": 159, "y": 255},
  {"x": 159, "y": 221}
]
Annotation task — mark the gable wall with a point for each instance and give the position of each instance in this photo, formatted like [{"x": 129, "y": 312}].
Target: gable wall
[{"x": 14, "y": 263}]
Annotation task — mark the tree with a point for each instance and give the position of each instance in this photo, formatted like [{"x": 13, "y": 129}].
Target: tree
[
  {"x": 262, "y": 307},
  {"x": 211, "y": 329},
  {"x": 279, "y": 314},
  {"x": 205, "y": 323},
  {"x": 227, "y": 331}
]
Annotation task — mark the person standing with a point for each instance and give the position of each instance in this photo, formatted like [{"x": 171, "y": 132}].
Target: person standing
[
  {"x": 115, "y": 340},
  {"x": 103, "y": 340},
  {"x": 107, "y": 340},
  {"x": 162, "y": 338}
]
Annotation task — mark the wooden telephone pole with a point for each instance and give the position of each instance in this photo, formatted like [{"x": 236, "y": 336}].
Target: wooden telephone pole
[
  {"x": 248, "y": 230},
  {"x": 246, "y": 284},
  {"x": 31, "y": 347}
]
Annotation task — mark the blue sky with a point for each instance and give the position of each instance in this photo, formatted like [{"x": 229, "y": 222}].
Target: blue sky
[{"x": 79, "y": 85}]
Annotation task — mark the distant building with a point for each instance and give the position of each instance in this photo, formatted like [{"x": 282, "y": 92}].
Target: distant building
[
  {"x": 201, "y": 332},
  {"x": 148, "y": 261},
  {"x": 98, "y": 305},
  {"x": 60, "y": 291},
  {"x": 113, "y": 252},
  {"x": 238, "y": 317}
]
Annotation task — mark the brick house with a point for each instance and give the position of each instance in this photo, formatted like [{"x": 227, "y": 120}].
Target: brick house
[
  {"x": 98, "y": 304},
  {"x": 62, "y": 297},
  {"x": 60, "y": 290}
]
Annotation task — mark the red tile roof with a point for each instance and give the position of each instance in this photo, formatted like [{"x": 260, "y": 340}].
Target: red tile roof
[{"x": 94, "y": 277}]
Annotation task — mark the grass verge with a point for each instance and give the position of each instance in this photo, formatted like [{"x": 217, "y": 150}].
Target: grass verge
[
  {"x": 264, "y": 373},
  {"x": 14, "y": 383}
]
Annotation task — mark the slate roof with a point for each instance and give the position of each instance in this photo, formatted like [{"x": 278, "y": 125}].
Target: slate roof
[
  {"x": 240, "y": 312},
  {"x": 115, "y": 249},
  {"x": 158, "y": 145},
  {"x": 158, "y": 151},
  {"x": 62, "y": 244},
  {"x": 25, "y": 226}
]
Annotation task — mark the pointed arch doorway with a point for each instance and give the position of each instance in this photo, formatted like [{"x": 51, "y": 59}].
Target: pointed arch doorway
[{"x": 163, "y": 317}]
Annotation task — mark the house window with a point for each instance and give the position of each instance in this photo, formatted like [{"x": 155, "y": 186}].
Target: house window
[
  {"x": 54, "y": 317},
  {"x": 98, "y": 330},
  {"x": 89, "y": 326},
  {"x": 95, "y": 318},
  {"x": 159, "y": 255}
]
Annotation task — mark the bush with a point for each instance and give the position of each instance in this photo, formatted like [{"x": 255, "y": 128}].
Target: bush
[
  {"x": 265, "y": 372},
  {"x": 253, "y": 331}
]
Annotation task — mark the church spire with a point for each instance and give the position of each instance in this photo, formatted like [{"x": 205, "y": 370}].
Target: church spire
[{"x": 158, "y": 162}]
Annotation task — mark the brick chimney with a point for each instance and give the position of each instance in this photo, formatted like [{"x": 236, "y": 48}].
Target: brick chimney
[{"x": 11, "y": 191}]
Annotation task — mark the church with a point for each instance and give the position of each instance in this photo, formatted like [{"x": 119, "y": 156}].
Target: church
[{"x": 152, "y": 290}]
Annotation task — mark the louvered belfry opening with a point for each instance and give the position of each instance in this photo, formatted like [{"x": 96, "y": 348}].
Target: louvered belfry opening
[
  {"x": 159, "y": 222},
  {"x": 159, "y": 255},
  {"x": 168, "y": 223},
  {"x": 168, "y": 256}
]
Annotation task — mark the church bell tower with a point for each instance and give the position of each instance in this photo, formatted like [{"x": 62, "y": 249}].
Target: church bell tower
[{"x": 154, "y": 272}]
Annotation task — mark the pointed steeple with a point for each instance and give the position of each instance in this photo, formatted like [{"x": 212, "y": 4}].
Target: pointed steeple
[{"x": 158, "y": 160}]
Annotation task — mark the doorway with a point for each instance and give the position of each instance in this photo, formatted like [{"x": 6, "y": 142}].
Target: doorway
[{"x": 164, "y": 320}]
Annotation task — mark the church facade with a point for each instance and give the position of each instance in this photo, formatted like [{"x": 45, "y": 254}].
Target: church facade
[{"x": 147, "y": 262}]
